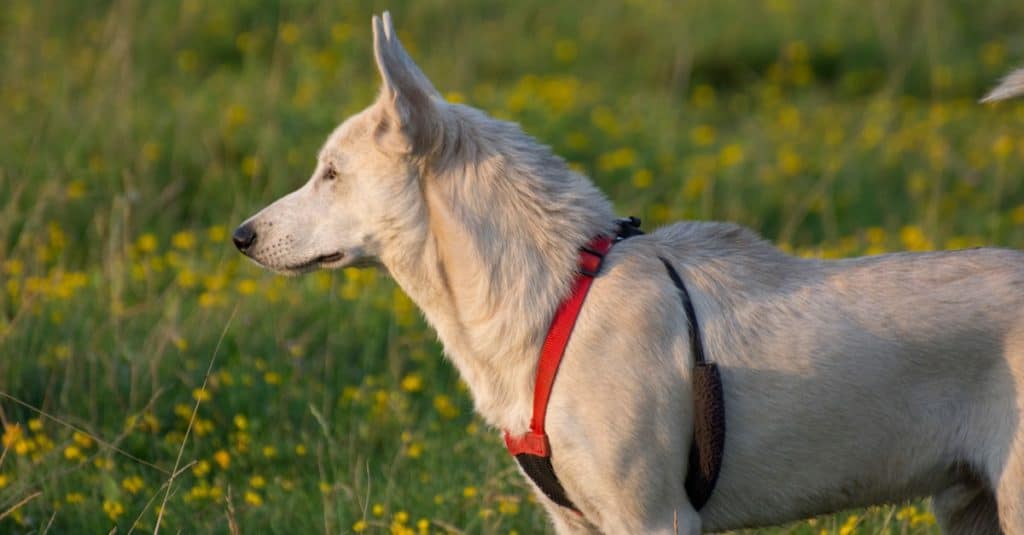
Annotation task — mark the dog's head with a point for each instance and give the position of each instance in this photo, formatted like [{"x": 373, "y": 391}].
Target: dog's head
[{"x": 366, "y": 181}]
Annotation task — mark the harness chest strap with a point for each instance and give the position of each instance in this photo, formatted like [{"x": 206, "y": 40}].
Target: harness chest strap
[{"x": 532, "y": 449}]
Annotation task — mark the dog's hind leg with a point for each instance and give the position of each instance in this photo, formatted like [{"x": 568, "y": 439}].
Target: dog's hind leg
[{"x": 967, "y": 508}]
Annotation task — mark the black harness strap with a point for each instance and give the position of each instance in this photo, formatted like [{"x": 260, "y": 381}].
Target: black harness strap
[
  {"x": 708, "y": 446},
  {"x": 543, "y": 475}
]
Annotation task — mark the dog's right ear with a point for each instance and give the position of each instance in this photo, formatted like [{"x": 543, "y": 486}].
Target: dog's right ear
[{"x": 409, "y": 121}]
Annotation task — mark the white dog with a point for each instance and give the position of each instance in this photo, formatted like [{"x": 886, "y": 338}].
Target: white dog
[{"x": 847, "y": 383}]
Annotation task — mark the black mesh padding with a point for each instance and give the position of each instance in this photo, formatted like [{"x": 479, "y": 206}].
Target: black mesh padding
[
  {"x": 708, "y": 445},
  {"x": 539, "y": 469}
]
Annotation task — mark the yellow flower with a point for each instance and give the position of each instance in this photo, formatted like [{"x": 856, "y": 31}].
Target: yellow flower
[
  {"x": 151, "y": 151},
  {"x": 184, "y": 240},
  {"x": 257, "y": 482},
  {"x": 300, "y": 450},
  {"x": 565, "y": 50},
  {"x": 731, "y": 155},
  {"x": 444, "y": 406},
  {"x": 35, "y": 424},
  {"x": 76, "y": 189},
  {"x": 272, "y": 378},
  {"x": 72, "y": 453},
  {"x": 241, "y": 422},
  {"x": 246, "y": 287},
  {"x": 289, "y": 33},
  {"x": 103, "y": 463},
  {"x": 222, "y": 458},
  {"x": 74, "y": 498},
  {"x": 359, "y": 526},
  {"x": 850, "y": 526},
  {"x": 915, "y": 239},
  {"x": 253, "y": 498},
  {"x": 113, "y": 509},
  {"x": 12, "y": 433},
  {"x": 702, "y": 135},
  {"x": 201, "y": 394},
  {"x": 4, "y": 480},
  {"x": 201, "y": 468},
  {"x": 237, "y": 115},
  {"x": 642, "y": 178},
  {"x": 82, "y": 439},
  {"x": 251, "y": 165},
  {"x": 469, "y": 492},
  {"x": 132, "y": 484},
  {"x": 412, "y": 383},
  {"x": 377, "y": 509}
]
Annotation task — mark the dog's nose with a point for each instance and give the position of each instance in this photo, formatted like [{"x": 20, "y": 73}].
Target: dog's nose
[{"x": 244, "y": 236}]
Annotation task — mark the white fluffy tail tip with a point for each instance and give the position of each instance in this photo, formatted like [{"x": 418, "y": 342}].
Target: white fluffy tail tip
[{"x": 1011, "y": 86}]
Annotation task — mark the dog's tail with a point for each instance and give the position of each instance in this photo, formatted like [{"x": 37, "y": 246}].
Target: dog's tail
[{"x": 1011, "y": 86}]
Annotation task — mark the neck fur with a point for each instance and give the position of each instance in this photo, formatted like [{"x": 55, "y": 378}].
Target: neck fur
[{"x": 505, "y": 221}]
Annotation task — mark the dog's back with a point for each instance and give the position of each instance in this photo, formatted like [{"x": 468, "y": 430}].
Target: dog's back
[{"x": 876, "y": 378}]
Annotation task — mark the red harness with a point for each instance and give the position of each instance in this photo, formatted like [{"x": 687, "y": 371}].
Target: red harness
[
  {"x": 535, "y": 441},
  {"x": 532, "y": 449}
]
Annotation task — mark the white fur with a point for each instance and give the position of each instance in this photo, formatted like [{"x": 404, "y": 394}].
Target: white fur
[
  {"x": 1010, "y": 87},
  {"x": 848, "y": 383}
]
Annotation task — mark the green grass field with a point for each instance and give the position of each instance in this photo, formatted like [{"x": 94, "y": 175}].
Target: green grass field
[{"x": 136, "y": 343}]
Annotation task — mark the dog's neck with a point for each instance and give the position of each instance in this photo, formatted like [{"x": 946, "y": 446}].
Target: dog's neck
[{"x": 505, "y": 219}]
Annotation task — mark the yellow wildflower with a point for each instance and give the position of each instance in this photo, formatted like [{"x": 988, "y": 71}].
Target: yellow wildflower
[
  {"x": 222, "y": 458},
  {"x": 201, "y": 468},
  {"x": 257, "y": 482},
  {"x": 12, "y": 433},
  {"x": 412, "y": 383},
  {"x": 113, "y": 509},
  {"x": 184, "y": 240},
  {"x": 82, "y": 439},
  {"x": 469, "y": 492},
  {"x": 253, "y": 498},
  {"x": 132, "y": 484},
  {"x": 359, "y": 526},
  {"x": 72, "y": 453},
  {"x": 74, "y": 498}
]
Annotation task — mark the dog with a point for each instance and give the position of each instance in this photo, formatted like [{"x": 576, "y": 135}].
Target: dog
[{"x": 847, "y": 383}]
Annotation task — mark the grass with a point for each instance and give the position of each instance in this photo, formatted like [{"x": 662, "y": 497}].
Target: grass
[{"x": 135, "y": 343}]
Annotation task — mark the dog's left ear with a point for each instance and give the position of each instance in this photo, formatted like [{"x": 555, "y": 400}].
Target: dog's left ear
[{"x": 409, "y": 120}]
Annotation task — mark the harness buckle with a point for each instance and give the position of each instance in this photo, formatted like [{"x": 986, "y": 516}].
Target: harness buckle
[{"x": 589, "y": 267}]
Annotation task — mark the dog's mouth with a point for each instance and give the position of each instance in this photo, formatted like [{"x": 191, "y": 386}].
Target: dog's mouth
[{"x": 322, "y": 261}]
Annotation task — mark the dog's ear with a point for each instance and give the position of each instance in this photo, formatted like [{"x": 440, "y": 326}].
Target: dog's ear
[
  {"x": 1009, "y": 87},
  {"x": 409, "y": 121}
]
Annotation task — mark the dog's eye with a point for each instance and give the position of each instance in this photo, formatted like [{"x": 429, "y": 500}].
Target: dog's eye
[{"x": 330, "y": 174}]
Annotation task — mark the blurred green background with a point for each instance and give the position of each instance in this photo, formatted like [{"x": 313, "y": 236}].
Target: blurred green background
[{"x": 137, "y": 134}]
